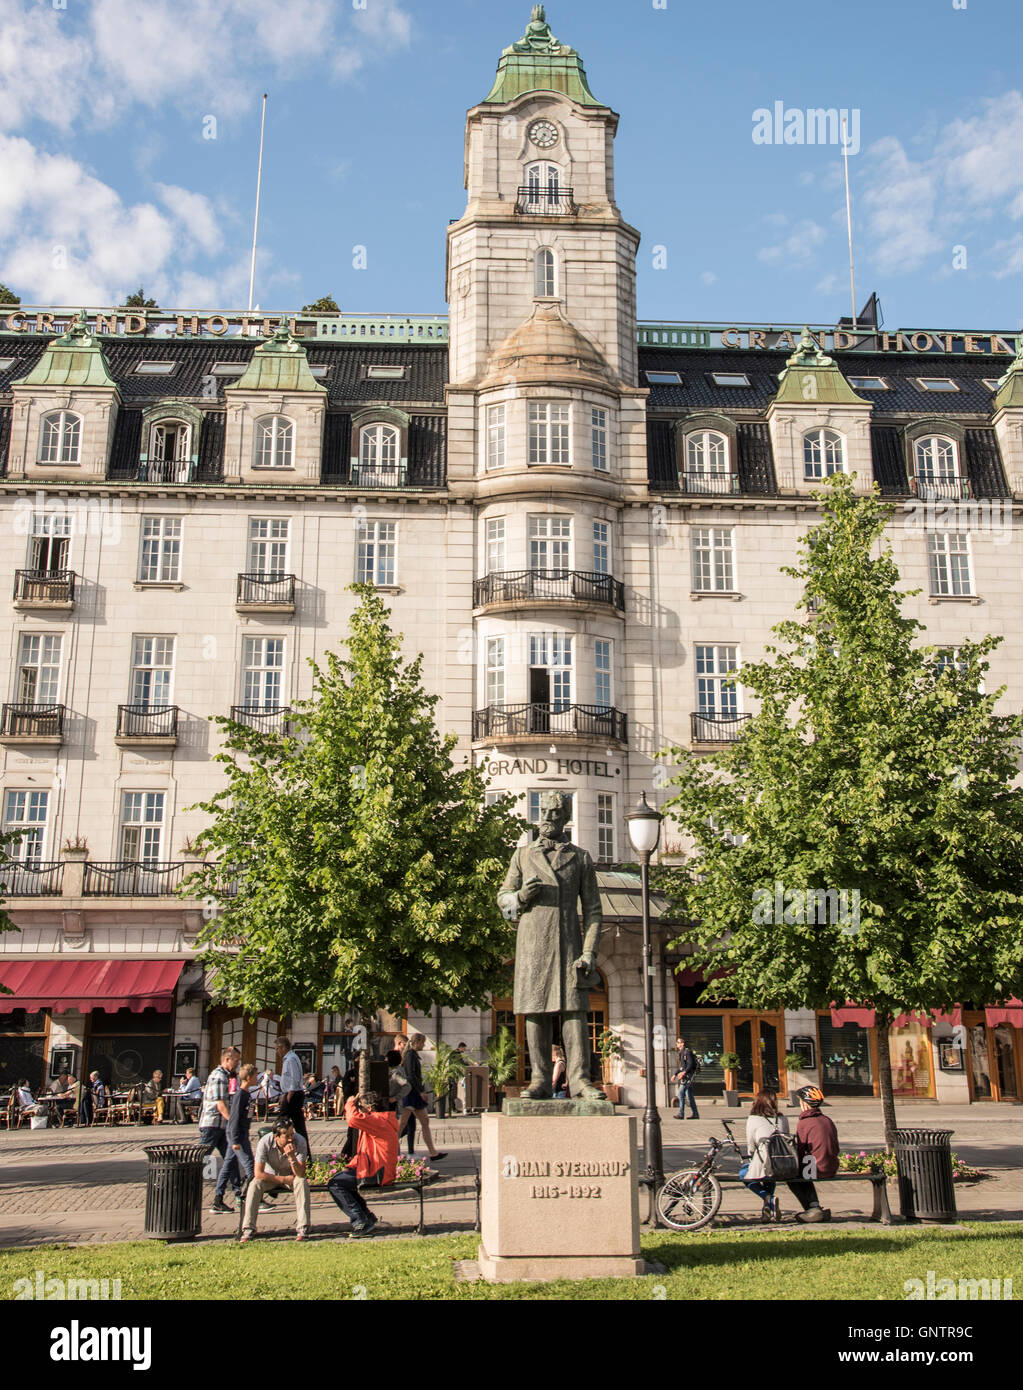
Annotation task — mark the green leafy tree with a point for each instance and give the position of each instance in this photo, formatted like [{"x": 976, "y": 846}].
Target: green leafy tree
[
  {"x": 327, "y": 305},
  {"x": 138, "y": 300},
  {"x": 365, "y": 866},
  {"x": 876, "y": 767},
  {"x": 7, "y": 296}
]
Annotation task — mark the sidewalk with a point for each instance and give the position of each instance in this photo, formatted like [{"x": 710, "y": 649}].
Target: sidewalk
[{"x": 88, "y": 1186}]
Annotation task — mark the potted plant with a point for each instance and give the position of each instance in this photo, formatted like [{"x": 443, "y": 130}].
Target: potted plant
[
  {"x": 793, "y": 1063},
  {"x": 447, "y": 1070},
  {"x": 78, "y": 848},
  {"x": 609, "y": 1050},
  {"x": 502, "y": 1061},
  {"x": 730, "y": 1065}
]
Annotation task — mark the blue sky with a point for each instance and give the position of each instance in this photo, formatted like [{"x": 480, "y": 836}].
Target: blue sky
[{"x": 108, "y": 179}]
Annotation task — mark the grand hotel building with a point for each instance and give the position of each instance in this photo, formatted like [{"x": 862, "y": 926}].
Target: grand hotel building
[{"x": 579, "y": 519}]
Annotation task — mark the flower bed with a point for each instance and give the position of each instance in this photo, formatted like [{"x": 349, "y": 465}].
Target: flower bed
[
  {"x": 879, "y": 1161},
  {"x": 321, "y": 1170}
]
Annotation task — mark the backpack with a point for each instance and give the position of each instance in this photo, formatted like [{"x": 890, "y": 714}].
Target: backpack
[
  {"x": 696, "y": 1068},
  {"x": 781, "y": 1158}
]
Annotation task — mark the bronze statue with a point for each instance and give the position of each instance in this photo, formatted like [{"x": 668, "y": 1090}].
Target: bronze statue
[{"x": 555, "y": 959}]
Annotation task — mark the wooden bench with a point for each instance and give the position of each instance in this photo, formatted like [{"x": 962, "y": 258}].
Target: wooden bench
[
  {"x": 436, "y": 1187},
  {"x": 881, "y": 1211}
]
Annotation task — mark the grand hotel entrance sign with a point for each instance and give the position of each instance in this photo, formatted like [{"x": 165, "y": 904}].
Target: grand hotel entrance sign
[{"x": 764, "y": 337}]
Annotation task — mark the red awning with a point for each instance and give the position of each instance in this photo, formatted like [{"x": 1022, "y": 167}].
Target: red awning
[
  {"x": 852, "y": 1013},
  {"x": 1010, "y": 1012},
  {"x": 89, "y": 984}
]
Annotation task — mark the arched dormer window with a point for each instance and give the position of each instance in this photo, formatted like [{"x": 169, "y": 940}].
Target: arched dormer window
[
  {"x": 274, "y": 442},
  {"x": 936, "y": 467},
  {"x": 823, "y": 454},
  {"x": 545, "y": 274},
  {"x": 379, "y": 455},
  {"x": 170, "y": 451},
  {"x": 60, "y": 438},
  {"x": 707, "y": 467}
]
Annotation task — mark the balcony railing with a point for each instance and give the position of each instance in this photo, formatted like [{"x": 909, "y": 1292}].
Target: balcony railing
[
  {"x": 266, "y": 590},
  {"x": 378, "y": 479},
  {"x": 721, "y": 484},
  {"x": 132, "y": 879},
  {"x": 574, "y": 585},
  {"x": 32, "y": 721},
  {"x": 717, "y": 728},
  {"x": 940, "y": 489},
  {"x": 168, "y": 471},
  {"x": 147, "y": 721},
  {"x": 31, "y": 879},
  {"x": 546, "y": 201},
  {"x": 44, "y": 586},
  {"x": 268, "y": 719},
  {"x": 587, "y": 721}
]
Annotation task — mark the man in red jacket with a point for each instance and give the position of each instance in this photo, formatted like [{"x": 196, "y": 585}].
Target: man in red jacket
[
  {"x": 817, "y": 1145},
  {"x": 375, "y": 1161}
]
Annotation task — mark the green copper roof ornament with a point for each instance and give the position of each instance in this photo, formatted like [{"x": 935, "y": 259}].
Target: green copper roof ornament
[
  {"x": 1010, "y": 385},
  {"x": 809, "y": 353},
  {"x": 73, "y": 359},
  {"x": 279, "y": 363},
  {"x": 77, "y": 332},
  {"x": 811, "y": 377},
  {"x": 538, "y": 62}
]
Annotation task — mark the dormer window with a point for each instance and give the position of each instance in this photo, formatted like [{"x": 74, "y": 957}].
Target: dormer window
[
  {"x": 161, "y": 368},
  {"x": 378, "y": 454},
  {"x": 386, "y": 372},
  {"x": 60, "y": 438},
  {"x": 545, "y": 274},
  {"x": 707, "y": 468},
  {"x": 823, "y": 454},
  {"x": 936, "y": 468},
  {"x": 275, "y": 439},
  {"x": 170, "y": 450}
]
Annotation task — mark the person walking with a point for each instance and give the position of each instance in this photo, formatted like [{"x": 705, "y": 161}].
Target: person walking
[
  {"x": 292, "y": 1088},
  {"x": 213, "y": 1119},
  {"x": 238, "y": 1162},
  {"x": 280, "y": 1162},
  {"x": 817, "y": 1146},
  {"x": 764, "y": 1120},
  {"x": 409, "y": 1119},
  {"x": 559, "y": 1077},
  {"x": 688, "y": 1066},
  {"x": 375, "y": 1162},
  {"x": 415, "y": 1103}
]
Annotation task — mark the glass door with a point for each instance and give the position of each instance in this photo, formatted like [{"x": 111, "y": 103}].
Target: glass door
[
  {"x": 744, "y": 1049},
  {"x": 1004, "y": 1047}
]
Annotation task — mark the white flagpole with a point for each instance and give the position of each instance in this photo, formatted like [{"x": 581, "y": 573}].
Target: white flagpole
[
  {"x": 255, "y": 225},
  {"x": 848, "y": 219}
]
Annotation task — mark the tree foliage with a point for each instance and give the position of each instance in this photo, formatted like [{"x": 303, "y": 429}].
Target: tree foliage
[
  {"x": 7, "y": 296},
  {"x": 366, "y": 866},
  {"x": 138, "y": 300},
  {"x": 327, "y": 305}
]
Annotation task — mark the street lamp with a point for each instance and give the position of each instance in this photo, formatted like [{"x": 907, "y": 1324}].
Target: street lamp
[{"x": 644, "y": 824}]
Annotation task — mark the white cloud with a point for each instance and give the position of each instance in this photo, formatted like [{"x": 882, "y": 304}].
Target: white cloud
[
  {"x": 195, "y": 212},
  {"x": 707, "y": 277},
  {"x": 797, "y": 248}
]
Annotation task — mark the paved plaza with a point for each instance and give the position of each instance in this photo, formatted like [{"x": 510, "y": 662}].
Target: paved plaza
[{"x": 84, "y": 1186}]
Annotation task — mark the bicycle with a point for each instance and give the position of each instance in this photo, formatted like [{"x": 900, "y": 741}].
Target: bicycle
[{"x": 691, "y": 1198}]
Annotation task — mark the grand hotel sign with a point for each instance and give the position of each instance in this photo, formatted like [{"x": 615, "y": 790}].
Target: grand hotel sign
[{"x": 785, "y": 338}]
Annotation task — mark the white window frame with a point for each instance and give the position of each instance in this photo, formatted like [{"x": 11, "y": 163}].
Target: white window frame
[
  {"x": 39, "y": 652},
  {"x": 730, "y": 381},
  {"x": 160, "y": 540},
  {"x": 51, "y": 531},
  {"x": 707, "y": 454},
  {"x": 274, "y": 442},
  {"x": 494, "y": 671},
  {"x": 260, "y": 663},
  {"x": 496, "y": 440},
  {"x": 931, "y": 455},
  {"x": 545, "y": 274},
  {"x": 155, "y": 655},
  {"x": 376, "y": 554},
  {"x": 542, "y": 178},
  {"x": 269, "y": 548},
  {"x": 141, "y": 811},
  {"x": 552, "y": 652},
  {"x": 713, "y": 557},
  {"x": 603, "y": 673},
  {"x": 182, "y": 455},
  {"x": 550, "y": 434},
  {"x": 26, "y": 812},
  {"x": 864, "y": 383},
  {"x": 380, "y": 451},
  {"x": 606, "y": 828},
  {"x": 496, "y": 539},
  {"x": 716, "y": 694},
  {"x": 599, "y": 440},
  {"x": 823, "y": 454},
  {"x": 60, "y": 438},
  {"x": 943, "y": 384},
  {"x": 950, "y": 564},
  {"x": 547, "y": 536},
  {"x": 602, "y": 547}
]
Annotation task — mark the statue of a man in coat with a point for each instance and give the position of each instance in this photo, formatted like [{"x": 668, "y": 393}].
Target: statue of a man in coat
[{"x": 555, "y": 958}]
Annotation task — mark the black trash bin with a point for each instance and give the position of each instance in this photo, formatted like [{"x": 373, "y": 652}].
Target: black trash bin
[
  {"x": 174, "y": 1191},
  {"x": 926, "y": 1189}
]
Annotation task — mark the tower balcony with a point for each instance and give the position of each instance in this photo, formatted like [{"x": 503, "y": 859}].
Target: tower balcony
[
  {"x": 520, "y": 723},
  {"x": 528, "y": 588},
  {"x": 535, "y": 200}
]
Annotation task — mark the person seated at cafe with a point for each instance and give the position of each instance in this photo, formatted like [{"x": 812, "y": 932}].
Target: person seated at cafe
[
  {"x": 313, "y": 1089},
  {"x": 26, "y": 1100},
  {"x": 152, "y": 1097},
  {"x": 99, "y": 1091},
  {"x": 61, "y": 1089},
  {"x": 186, "y": 1101}
]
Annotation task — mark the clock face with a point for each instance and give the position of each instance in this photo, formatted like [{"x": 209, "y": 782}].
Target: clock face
[{"x": 543, "y": 134}]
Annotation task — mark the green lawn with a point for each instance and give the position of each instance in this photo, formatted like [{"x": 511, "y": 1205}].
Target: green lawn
[{"x": 822, "y": 1264}]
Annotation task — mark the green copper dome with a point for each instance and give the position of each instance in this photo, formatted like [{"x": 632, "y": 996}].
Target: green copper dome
[
  {"x": 539, "y": 63},
  {"x": 278, "y": 364},
  {"x": 73, "y": 359}
]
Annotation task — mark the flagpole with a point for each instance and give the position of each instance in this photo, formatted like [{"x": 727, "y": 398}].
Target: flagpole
[
  {"x": 255, "y": 224},
  {"x": 848, "y": 219}
]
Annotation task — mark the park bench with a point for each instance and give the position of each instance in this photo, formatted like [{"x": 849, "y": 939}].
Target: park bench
[
  {"x": 427, "y": 1189},
  {"x": 881, "y": 1210}
]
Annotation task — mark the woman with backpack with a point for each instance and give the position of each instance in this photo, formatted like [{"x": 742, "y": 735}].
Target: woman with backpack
[{"x": 763, "y": 1124}]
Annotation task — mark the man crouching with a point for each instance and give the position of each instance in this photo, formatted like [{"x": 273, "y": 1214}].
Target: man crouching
[{"x": 280, "y": 1162}]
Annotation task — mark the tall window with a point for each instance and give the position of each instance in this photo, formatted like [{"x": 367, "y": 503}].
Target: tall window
[
  {"x": 707, "y": 461},
  {"x": 169, "y": 448},
  {"x": 602, "y": 672},
  {"x": 378, "y": 452},
  {"x": 496, "y": 436},
  {"x": 263, "y": 673},
  {"x": 496, "y": 562},
  {"x": 268, "y": 545},
  {"x": 60, "y": 438},
  {"x": 550, "y": 662},
  {"x": 25, "y": 815},
  {"x": 937, "y": 459},
  {"x": 142, "y": 826},
  {"x": 715, "y": 693},
  {"x": 39, "y": 669},
  {"x": 495, "y": 670},
  {"x": 549, "y": 433},
  {"x": 598, "y": 439},
  {"x": 606, "y": 827},
  {"x": 544, "y": 274},
  {"x": 601, "y": 547},
  {"x": 823, "y": 454},
  {"x": 713, "y": 559},
  {"x": 550, "y": 542},
  {"x": 375, "y": 562},
  {"x": 50, "y": 542},
  {"x": 543, "y": 189},
  {"x": 948, "y": 561},
  {"x": 275, "y": 437},
  {"x": 152, "y": 666},
  {"x": 160, "y": 556}
]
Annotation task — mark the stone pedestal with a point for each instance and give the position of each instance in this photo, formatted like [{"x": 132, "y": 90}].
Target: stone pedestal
[{"x": 560, "y": 1198}]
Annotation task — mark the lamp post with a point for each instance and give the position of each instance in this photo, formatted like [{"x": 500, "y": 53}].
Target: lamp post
[{"x": 644, "y": 824}]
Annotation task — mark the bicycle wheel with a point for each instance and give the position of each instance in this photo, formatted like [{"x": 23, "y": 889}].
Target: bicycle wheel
[{"x": 689, "y": 1200}]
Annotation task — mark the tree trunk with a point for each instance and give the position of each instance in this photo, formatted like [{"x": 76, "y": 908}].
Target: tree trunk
[
  {"x": 367, "y": 1022},
  {"x": 882, "y": 1028}
]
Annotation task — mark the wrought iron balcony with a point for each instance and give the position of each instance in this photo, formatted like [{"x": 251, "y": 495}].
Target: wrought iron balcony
[
  {"x": 147, "y": 723},
  {"x": 44, "y": 588},
  {"x": 577, "y": 586},
  {"x": 268, "y": 719},
  {"x": 265, "y": 591},
  {"x": 545, "y": 201},
  {"x": 168, "y": 471},
  {"x": 379, "y": 479},
  {"x": 717, "y": 728},
  {"x": 33, "y": 721},
  {"x": 719, "y": 484},
  {"x": 132, "y": 878},
  {"x": 580, "y": 721},
  {"x": 940, "y": 489},
  {"x": 31, "y": 878}
]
